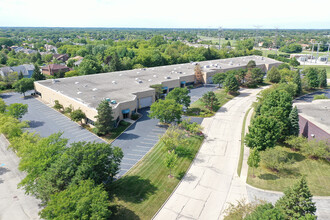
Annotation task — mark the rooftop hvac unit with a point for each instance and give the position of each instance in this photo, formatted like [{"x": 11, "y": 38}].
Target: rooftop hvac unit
[
  {"x": 108, "y": 99},
  {"x": 149, "y": 80},
  {"x": 167, "y": 77},
  {"x": 136, "y": 79},
  {"x": 140, "y": 81},
  {"x": 138, "y": 72},
  {"x": 154, "y": 76},
  {"x": 95, "y": 89},
  {"x": 120, "y": 74},
  {"x": 79, "y": 93},
  {"x": 113, "y": 102},
  {"x": 76, "y": 83},
  {"x": 114, "y": 82}
]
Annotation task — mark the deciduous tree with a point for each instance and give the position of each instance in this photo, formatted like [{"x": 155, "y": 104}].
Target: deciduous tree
[
  {"x": 77, "y": 115},
  {"x": 170, "y": 161},
  {"x": 23, "y": 85},
  {"x": 273, "y": 75},
  {"x": 254, "y": 160},
  {"x": 167, "y": 111},
  {"x": 17, "y": 110},
  {"x": 180, "y": 95}
]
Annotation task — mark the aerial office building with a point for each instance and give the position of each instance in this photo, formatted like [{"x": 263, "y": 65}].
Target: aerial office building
[{"x": 128, "y": 91}]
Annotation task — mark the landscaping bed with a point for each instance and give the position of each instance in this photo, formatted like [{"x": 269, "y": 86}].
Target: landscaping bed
[
  {"x": 198, "y": 109},
  {"x": 142, "y": 191}
]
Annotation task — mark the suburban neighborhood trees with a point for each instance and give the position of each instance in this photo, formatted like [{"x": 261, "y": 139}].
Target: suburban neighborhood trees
[
  {"x": 104, "y": 122},
  {"x": 17, "y": 110},
  {"x": 180, "y": 95},
  {"x": 167, "y": 111},
  {"x": 37, "y": 75},
  {"x": 23, "y": 85},
  {"x": 297, "y": 202},
  {"x": 210, "y": 100}
]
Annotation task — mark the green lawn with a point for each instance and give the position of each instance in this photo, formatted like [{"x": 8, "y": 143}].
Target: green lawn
[
  {"x": 142, "y": 191},
  {"x": 199, "y": 105},
  {"x": 215, "y": 40},
  {"x": 317, "y": 174}
]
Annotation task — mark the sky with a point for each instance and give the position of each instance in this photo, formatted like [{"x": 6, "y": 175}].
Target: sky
[{"x": 283, "y": 14}]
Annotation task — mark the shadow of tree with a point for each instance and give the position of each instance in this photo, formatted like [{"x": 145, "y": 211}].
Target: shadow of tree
[
  {"x": 290, "y": 172},
  {"x": 296, "y": 156},
  {"x": 184, "y": 152},
  {"x": 120, "y": 212},
  {"x": 3, "y": 170},
  {"x": 132, "y": 189},
  {"x": 268, "y": 176},
  {"x": 35, "y": 124}
]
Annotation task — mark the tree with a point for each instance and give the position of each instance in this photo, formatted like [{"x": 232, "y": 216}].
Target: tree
[
  {"x": 297, "y": 201},
  {"x": 180, "y": 95},
  {"x": 89, "y": 65},
  {"x": 37, "y": 157},
  {"x": 254, "y": 160},
  {"x": 322, "y": 78},
  {"x": 3, "y": 106},
  {"x": 79, "y": 201},
  {"x": 219, "y": 78},
  {"x": 294, "y": 122},
  {"x": 265, "y": 212},
  {"x": 257, "y": 75},
  {"x": 99, "y": 162},
  {"x": 158, "y": 90},
  {"x": 71, "y": 73},
  {"x": 20, "y": 75},
  {"x": 198, "y": 74},
  {"x": 77, "y": 115},
  {"x": 57, "y": 105},
  {"x": 104, "y": 122},
  {"x": 263, "y": 133},
  {"x": 294, "y": 62},
  {"x": 37, "y": 75},
  {"x": 209, "y": 100},
  {"x": 251, "y": 64},
  {"x": 167, "y": 111},
  {"x": 275, "y": 159},
  {"x": 312, "y": 77},
  {"x": 170, "y": 161},
  {"x": 17, "y": 110},
  {"x": 273, "y": 75},
  {"x": 173, "y": 138},
  {"x": 231, "y": 84},
  {"x": 23, "y": 85},
  {"x": 296, "y": 143},
  {"x": 297, "y": 81}
]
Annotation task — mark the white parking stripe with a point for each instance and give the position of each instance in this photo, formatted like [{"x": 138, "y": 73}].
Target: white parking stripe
[
  {"x": 142, "y": 151},
  {"x": 139, "y": 146},
  {"x": 127, "y": 164},
  {"x": 139, "y": 155},
  {"x": 147, "y": 143},
  {"x": 150, "y": 139},
  {"x": 125, "y": 158}
]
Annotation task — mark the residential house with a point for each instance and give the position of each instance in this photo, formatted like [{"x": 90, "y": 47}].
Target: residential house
[
  {"x": 51, "y": 69},
  {"x": 61, "y": 57},
  {"x": 25, "y": 69}
]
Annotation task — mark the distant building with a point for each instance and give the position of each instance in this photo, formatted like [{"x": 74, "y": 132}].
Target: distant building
[
  {"x": 323, "y": 59},
  {"x": 61, "y": 57},
  {"x": 314, "y": 120},
  {"x": 49, "y": 47},
  {"x": 25, "y": 69},
  {"x": 51, "y": 69}
]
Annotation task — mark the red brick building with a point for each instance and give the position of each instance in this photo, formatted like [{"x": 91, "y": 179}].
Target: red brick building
[{"x": 51, "y": 69}]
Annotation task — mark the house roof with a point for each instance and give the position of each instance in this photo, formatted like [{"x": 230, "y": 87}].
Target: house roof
[
  {"x": 25, "y": 68},
  {"x": 54, "y": 67}
]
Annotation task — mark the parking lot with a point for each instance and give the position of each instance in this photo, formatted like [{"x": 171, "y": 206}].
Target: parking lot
[{"x": 135, "y": 142}]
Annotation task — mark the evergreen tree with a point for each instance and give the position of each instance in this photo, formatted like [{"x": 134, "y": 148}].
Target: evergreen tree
[
  {"x": 231, "y": 84},
  {"x": 312, "y": 77},
  {"x": 297, "y": 81},
  {"x": 104, "y": 117},
  {"x": 209, "y": 99},
  {"x": 294, "y": 121},
  {"x": 323, "y": 78},
  {"x": 251, "y": 64},
  {"x": 20, "y": 75},
  {"x": 37, "y": 75},
  {"x": 297, "y": 201}
]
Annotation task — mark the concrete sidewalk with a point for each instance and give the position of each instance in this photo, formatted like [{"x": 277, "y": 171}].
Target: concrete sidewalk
[
  {"x": 212, "y": 179},
  {"x": 14, "y": 203}
]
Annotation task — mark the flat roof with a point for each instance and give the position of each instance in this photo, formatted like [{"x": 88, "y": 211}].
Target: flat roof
[
  {"x": 317, "y": 112},
  {"x": 122, "y": 85}
]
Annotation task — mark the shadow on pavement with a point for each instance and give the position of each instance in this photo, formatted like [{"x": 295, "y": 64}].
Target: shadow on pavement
[
  {"x": 3, "y": 170},
  {"x": 125, "y": 136},
  {"x": 244, "y": 94},
  {"x": 35, "y": 124},
  {"x": 5, "y": 96}
]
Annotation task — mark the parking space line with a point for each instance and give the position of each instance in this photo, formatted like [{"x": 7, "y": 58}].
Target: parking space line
[
  {"x": 139, "y": 146},
  {"x": 127, "y": 164},
  {"x": 125, "y": 158},
  {"x": 146, "y": 143},
  {"x": 154, "y": 136},
  {"x": 139, "y": 155},
  {"x": 142, "y": 151},
  {"x": 150, "y": 139}
]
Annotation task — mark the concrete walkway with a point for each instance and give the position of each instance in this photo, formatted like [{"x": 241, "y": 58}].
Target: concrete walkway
[
  {"x": 14, "y": 203},
  {"x": 212, "y": 181}
]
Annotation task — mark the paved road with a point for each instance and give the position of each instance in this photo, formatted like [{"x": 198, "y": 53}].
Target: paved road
[
  {"x": 45, "y": 121},
  {"x": 14, "y": 203},
  {"x": 310, "y": 97},
  {"x": 203, "y": 192}
]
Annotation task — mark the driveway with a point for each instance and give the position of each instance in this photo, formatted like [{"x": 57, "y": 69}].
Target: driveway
[
  {"x": 310, "y": 97},
  {"x": 205, "y": 189}
]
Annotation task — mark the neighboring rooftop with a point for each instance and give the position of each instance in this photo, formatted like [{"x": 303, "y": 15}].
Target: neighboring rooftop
[
  {"x": 122, "y": 85},
  {"x": 317, "y": 112}
]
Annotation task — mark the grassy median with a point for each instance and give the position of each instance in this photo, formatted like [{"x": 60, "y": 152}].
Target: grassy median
[{"x": 143, "y": 190}]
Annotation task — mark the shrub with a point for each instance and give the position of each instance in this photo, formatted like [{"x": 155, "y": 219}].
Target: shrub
[
  {"x": 317, "y": 149},
  {"x": 67, "y": 110},
  {"x": 323, "y": 96},
  {"x": 296, "y": 143},
  {"x": 275, "y": 159},
  {"x": 57, "y": 105},
  {"x": 134, "y": 116}
]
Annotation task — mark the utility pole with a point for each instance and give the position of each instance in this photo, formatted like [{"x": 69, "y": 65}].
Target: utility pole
[
  {"x": 312, "y": 53},
  {"x": 327, "y": 52},
  {"x": 220, "y": 34},
  {"x": 317, "y": 54}
]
